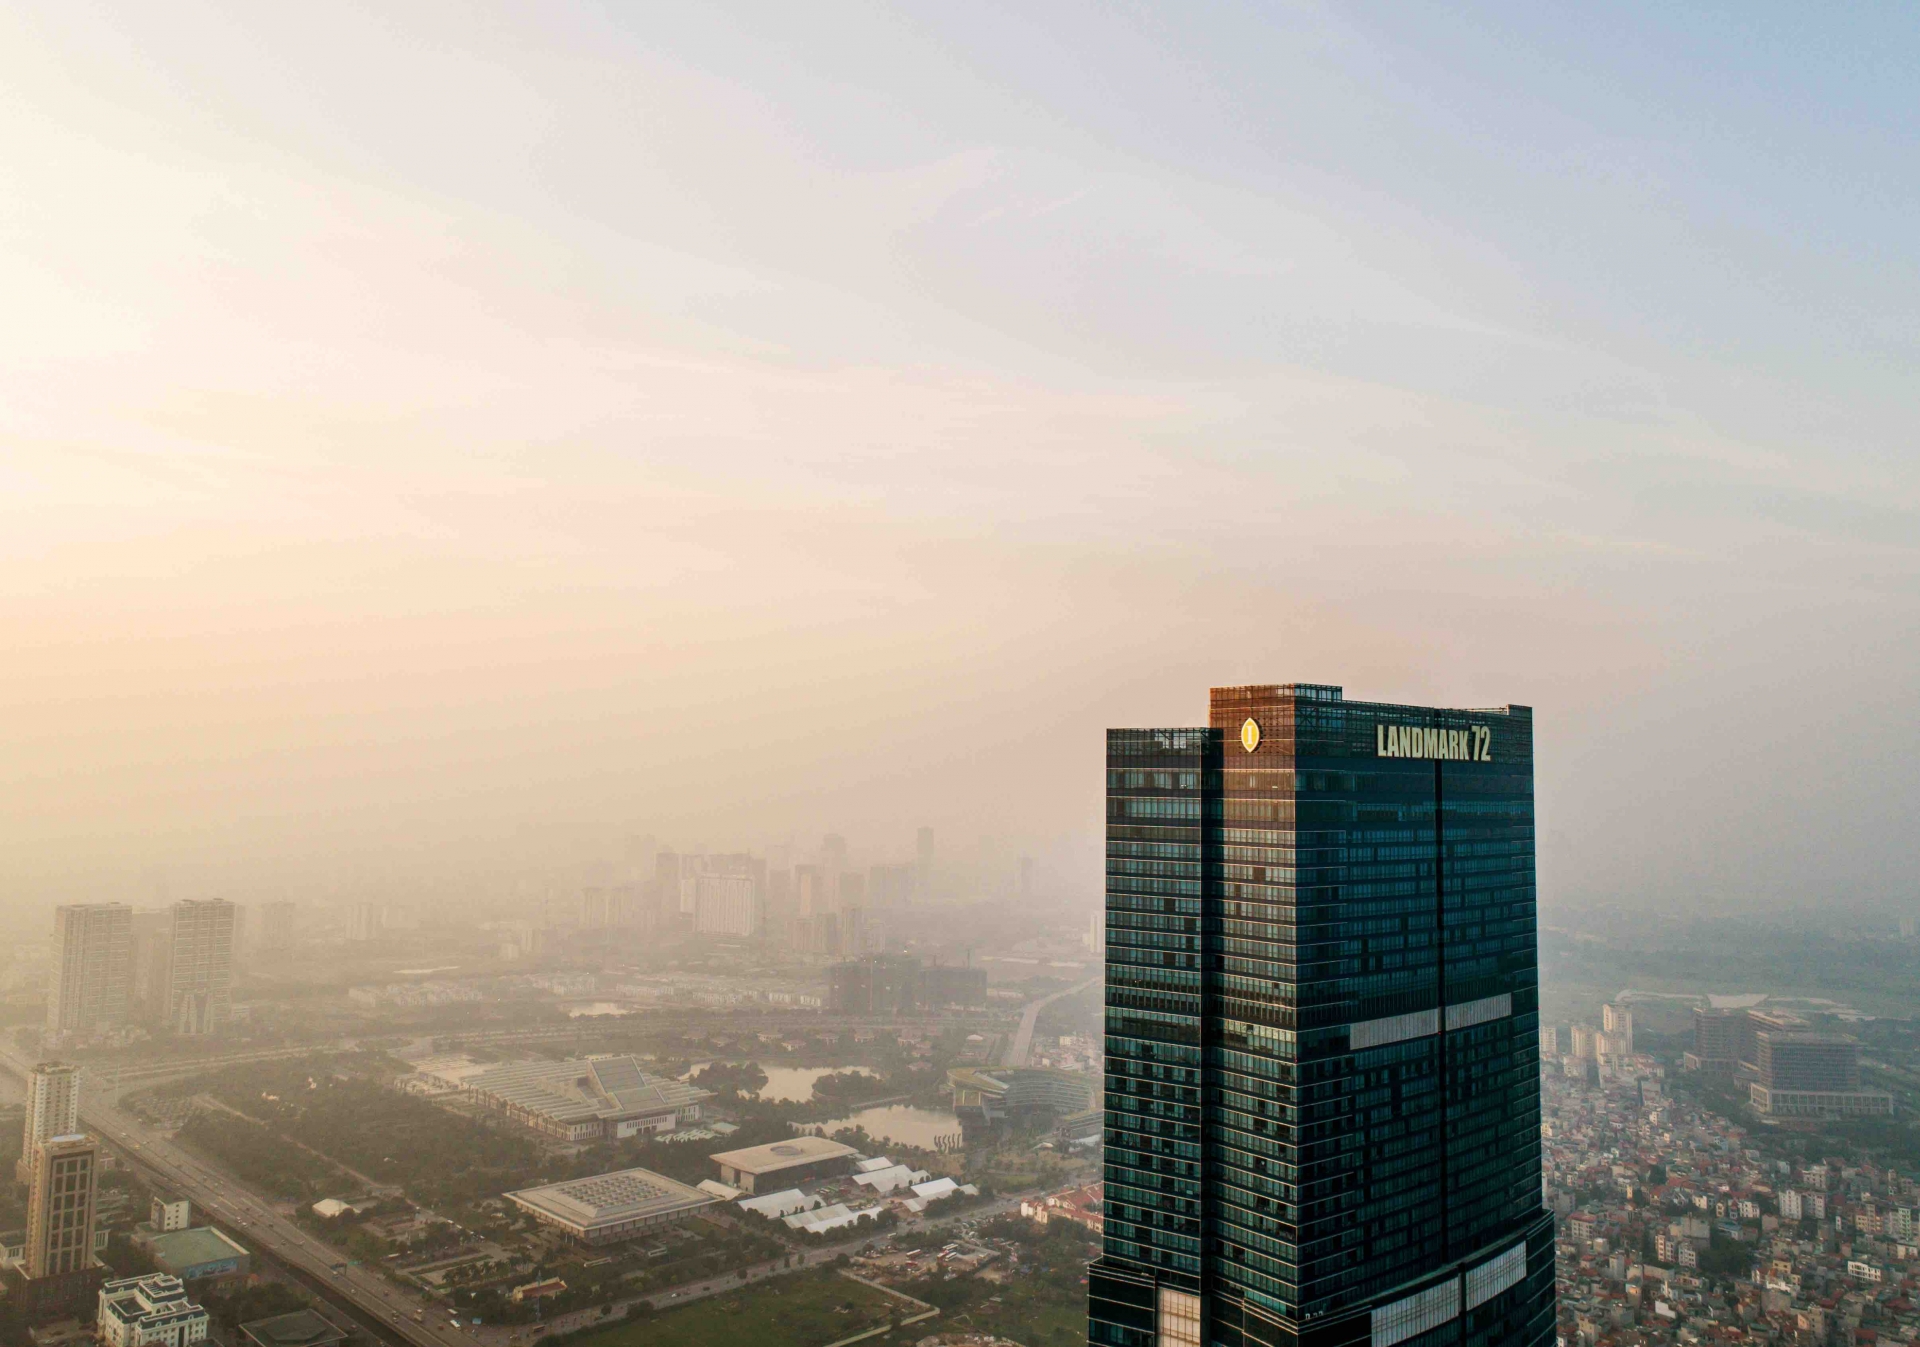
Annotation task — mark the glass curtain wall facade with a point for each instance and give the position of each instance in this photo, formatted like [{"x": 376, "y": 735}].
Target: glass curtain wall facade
[{"x": 1322, "y": 1089}]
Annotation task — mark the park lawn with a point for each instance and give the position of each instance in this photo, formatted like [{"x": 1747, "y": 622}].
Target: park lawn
[
  {"x": 1037, "y": 1314},
  {"x": 804, "y": 1310}
]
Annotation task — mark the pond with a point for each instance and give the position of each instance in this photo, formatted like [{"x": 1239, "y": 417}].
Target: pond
[
  {"x": 794, "y": 1084},
  {"x": 931, "y": 1129}
]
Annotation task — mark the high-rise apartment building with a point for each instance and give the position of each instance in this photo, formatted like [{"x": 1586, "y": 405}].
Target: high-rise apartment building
[
  {"x": 1096, "y": 937},
  {"x": 923, "y": 863},
  {"x": 816, "y": 920},
  {"x": 200, "y": 966},
  {"x": 1716, "y": 1039},
  {"x": 1322, "y": 1085},
  {"x": 60, "y": 1206},
  {"x": 277, "y": 922},
  {"x": 727, "y": 905},
  {"x": 889, "y": 886},
  {"x": 152, "y": 944},
  {"x": 641, "y": 849},
  {"x": 779, "y": 915},
  {"x": 53, "y": 1110},
  {"x": 364, "y": 922},
  {"x": 1616, "y": 1022},
  {"x": 666, "y": 891},
  {"x": 92, "y": 968},
  {"x": 599, "y": 909},
  {"x": 854, "y": 926}
]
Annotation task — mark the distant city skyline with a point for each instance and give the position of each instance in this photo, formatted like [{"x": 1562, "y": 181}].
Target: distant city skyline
[{"x": 441, "y": 442}]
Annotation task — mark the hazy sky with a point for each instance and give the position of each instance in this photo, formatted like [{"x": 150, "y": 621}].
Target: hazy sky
[{"x": 437, "y": 441}]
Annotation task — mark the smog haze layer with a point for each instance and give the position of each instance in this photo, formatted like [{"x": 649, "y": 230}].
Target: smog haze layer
[{"x": 440, "y": 443}]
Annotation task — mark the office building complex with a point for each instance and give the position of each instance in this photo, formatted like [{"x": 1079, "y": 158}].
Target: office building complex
[
  {"x": 53, "y": 1110},
  {"x": 1790, "y": 1069},
  {"x": 92, "y": 968},
  {"x": 200, "y": 966},
  {"x": 1804, "y": 1074},
  {"x": 1322, "y": 1088}
]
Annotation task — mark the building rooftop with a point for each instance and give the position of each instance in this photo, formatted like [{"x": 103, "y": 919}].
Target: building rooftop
[
  {"x": 778, "y": 1155},
  {"x": 583, "y": 1089},
  {"x": 611, "y": 1199},
  {"x": 192, "y": 1248},
  {"x": 302, "y": 1328}
]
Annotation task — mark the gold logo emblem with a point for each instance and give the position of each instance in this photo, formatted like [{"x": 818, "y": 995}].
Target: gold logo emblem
[{"x": 1250, "y": 734}]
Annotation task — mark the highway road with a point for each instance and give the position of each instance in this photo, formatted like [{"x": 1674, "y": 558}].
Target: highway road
[
  {"x": 224, "y": 1201},
  {"x": 1023, "y": 1040}
]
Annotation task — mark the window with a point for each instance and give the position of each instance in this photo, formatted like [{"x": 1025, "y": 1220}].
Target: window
[
  {"x": 1497, "y": 1275},
  {"x": 1179, "y": 1319},
  {"x": 1415, "y": 1314}
]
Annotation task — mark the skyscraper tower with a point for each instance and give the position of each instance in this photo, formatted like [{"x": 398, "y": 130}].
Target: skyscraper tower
[
  {"x": 200, "y": 966},
  {"x": 92, "y": 968},
  {"x": 1323, "y": 1110},
  {"x": 53, "y": 1110},
  {"x": 923, "y": 864}
]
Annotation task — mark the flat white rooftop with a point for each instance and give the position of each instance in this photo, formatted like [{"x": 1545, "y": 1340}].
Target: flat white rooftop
[
  {"x": 779, "y": 1155},
  {"x": 611, "y": 1199}
]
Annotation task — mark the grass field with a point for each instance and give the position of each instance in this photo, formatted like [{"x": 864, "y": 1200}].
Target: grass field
[
  {"x": 806, "y": 1310},
  {"x": 1035, "y": 1310}
]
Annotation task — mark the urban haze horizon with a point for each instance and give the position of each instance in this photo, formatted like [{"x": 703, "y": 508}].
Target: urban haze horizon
[{"x": 410, "y": 505}]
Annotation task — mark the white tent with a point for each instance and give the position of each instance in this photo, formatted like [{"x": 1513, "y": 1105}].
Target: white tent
[
  {"x": 783, "y": 1203},
  {"x": 826, "y": 1218},
  {"x": 886, "y": 1180}
]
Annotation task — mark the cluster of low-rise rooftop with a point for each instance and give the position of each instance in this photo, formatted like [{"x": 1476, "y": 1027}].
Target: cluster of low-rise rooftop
[{"x": 1679, "y": 1226}]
